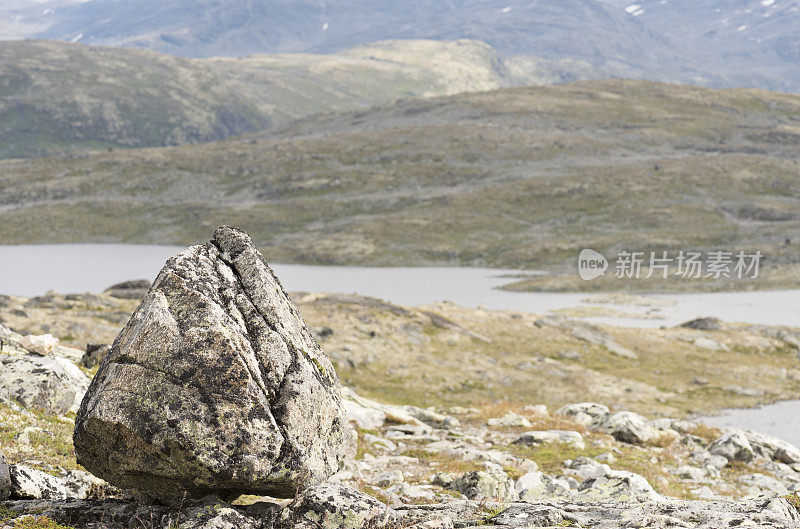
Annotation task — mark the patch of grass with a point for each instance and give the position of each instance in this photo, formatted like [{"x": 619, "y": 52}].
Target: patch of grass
[
  {"x": 794, "y": 500},
  {"x": 7, "y": 514},
  {"x": 652, "y": 466},
  {"x": 444, "y": 462},
  {"x": 39, "y": 522},
  {"x": 493, "y": 408},
  {"x": 663, "y": 441},
  {"x": 551, "y": 456},
  {"x": 375, "y": 492},
  {"x": 709, "y": 433},
  {"x": 363, "y": 446},
  {"x": 490, "y": 509},
  {"x": 513, "y": 473},
  {"x": 51, "y": 448}
]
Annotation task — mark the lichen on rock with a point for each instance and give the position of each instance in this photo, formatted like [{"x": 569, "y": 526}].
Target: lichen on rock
[{"x": 215, "y": 385}]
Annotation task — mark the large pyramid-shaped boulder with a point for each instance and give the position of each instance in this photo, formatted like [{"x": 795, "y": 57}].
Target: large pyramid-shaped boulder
[{"x": 215, "y": 385}]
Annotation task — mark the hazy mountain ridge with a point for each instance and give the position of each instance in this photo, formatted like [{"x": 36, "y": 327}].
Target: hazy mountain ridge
[
  {"x": 717, "y": 43},
  {"x": 755, "y": 42}
]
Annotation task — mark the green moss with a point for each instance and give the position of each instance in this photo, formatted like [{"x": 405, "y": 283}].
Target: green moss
[
  {"x": 489, "y": 512},
  {"x": 794, "y": 500},
  {"x": 376, "y": 493},
  {"x": 6, "y": 513},
  {"x": 319, "y": 366},
  {"x": 39, "y": 522},
  {"x": 551, "y": 456}
]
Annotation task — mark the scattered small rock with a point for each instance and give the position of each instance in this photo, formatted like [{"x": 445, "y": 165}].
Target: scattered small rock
[
  {"x": 5, "y": 478},
  {"x": 567, "y": 437},
  {"x": 607, "y": 458},
  {"x": 537, "y": 485},
  {"x": 389, "y": 478},
  {"x": 510, "y": 420},
  {"x": 691, "y": 473},
  {"x": 95, "y": 354},
  {"x": 773, "y": 448},
  {"x": 627, "y": 427},
  {"x": 29, "y": 483},
  {"x": 134, "y": 289},
  {"x": 52, "y": 384},
  {"x": 536, "y": 409},
  {"x": 480, "y": 485},
  {"x": 618, "y": 485},
  {"x": 332, "y": 506},
  {"x": 704, "y": 324},
  {"x": 733, "y": 446},
  {"x": 42, "y": 345},
  {"x": 583, "y": 413}
]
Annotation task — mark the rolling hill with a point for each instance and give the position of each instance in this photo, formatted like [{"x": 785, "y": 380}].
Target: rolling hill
[
  {"x": 517, "y": 177},
  {"x": 61, "y": 97}
]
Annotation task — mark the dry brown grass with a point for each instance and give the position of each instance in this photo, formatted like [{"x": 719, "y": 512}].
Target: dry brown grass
[
  {"x": 663, "y": 441},
  {"x": 709, "y": 433},
  {"x": 444, "y": 462},
  {"x": 555, "y": 422},
  {"x": 491, "y": 409}
]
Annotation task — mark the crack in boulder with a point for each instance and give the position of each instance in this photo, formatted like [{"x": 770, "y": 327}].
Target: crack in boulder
[{"x": 215, "y": 385}]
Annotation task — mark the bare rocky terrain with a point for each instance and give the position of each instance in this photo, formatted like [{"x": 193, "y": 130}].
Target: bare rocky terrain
[
  {"x": 464, "y": 417},
  {"x": 505, "y": 463}
]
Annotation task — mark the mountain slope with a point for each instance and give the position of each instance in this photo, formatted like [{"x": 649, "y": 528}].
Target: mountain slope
[
  {"x": 239, "y": 27},
  {"x": 58, "y": 97},
  {"x": 521, "y": 177},
  {"x": 55, "y": 96},
  {"x": 751, "y": 42},
  {"x": 718, "y": 43}
]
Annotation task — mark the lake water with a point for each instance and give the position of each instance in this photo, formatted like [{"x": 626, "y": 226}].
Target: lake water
[
  {"x": 781, "y": 419},
  {"x": 31, "y": 270}
]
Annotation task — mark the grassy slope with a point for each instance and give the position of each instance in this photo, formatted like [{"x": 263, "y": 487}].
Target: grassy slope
[
  {"x": 521, "y": 177},
  {"x": 56, "y": 96},
  {"x": 59, "y": 97}
]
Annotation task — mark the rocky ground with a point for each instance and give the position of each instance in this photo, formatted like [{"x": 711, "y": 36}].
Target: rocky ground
[
  {"x": 477, "y": 464},
  {"x": 396, "y": 354},
  {"x": 464, "y": 418},
  {"x": 579, "y": 465}
]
